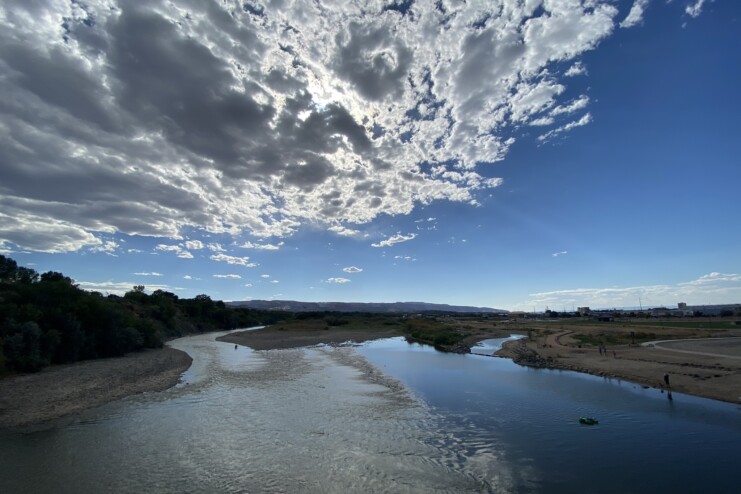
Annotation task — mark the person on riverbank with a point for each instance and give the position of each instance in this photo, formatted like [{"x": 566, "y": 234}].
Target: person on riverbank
[{"x": 666, "y": 379}]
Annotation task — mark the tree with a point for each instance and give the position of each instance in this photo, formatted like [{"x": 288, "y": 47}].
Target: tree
[
  {"x": 11, "y": 273},
  {"x": 54, "y": 277}
]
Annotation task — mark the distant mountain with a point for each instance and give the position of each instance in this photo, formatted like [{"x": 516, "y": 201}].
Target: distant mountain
[{"x": 294, "y": 306}]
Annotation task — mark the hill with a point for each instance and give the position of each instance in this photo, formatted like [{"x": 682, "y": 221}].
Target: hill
[{"x": 394, "y": 307}]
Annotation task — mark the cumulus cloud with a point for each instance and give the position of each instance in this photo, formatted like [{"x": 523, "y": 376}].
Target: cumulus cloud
[
  {"x": 177, "y": 249},
  {"x": 695, "y": 9},
  {"x": 635, "y": 16},
  {"x": 240, "y": 261},
  {"x": 352, "y": 269},
  {"x": 228, "y": 276},
  {"x": 108, "y": 247},
  {"x": 398, "y": 238},
  {"x": 250, "y": 245},
  {"x": 229, "y": 120},
  {"x": 343, "y": 231},
  {"x": 338, "y": 280},
  {"x": 194, "y": 245},
  {"x": 576, "y": 69}
]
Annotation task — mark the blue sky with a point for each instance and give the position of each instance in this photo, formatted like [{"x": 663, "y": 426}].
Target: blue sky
[{"x": 518, "y": 156}]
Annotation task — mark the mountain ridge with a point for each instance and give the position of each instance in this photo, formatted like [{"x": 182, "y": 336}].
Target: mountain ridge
[{"x": 377, "y": 307}]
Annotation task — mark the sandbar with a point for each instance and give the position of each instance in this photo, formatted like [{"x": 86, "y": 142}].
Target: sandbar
[{"x": 61, "y": 390}]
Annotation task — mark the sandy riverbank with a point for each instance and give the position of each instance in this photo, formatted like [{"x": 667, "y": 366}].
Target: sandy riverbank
[
  {"x": 280, "y": 337},
  {"x": 62, "y": 390},
  {"x": 706, "y": 374}
]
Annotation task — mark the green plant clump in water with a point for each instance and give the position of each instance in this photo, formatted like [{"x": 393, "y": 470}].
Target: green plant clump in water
[{"x": 433, "y": 333}]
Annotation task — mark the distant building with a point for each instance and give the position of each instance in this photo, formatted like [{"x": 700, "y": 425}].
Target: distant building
[
  {"x": 583, "y": 311},
  {"x": 681, "y": 305}
]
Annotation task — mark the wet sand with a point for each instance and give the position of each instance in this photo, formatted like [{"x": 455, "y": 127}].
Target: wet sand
[
  {"x": 62, "y": 390},
  {"x": 279, "y": 337},
  {"x": 705, "y": 374}
]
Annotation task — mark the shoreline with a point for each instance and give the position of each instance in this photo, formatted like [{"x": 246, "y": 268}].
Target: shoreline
[
  {"x": 715, "y": 377},
  {"x": 30, "y": 400},
  {"x": 277, "y": 337}
]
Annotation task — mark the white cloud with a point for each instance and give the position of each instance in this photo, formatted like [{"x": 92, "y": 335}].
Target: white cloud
[
  {"x": 216, "y": 247},
  {"x": 398, "y": 238},
  {"x": 695, "y": 9},
  {"x": 184, "y": 254},
  {"x": 584, "y": 120},
  {"x": 562, "y": 253},
  {"x": 265, "y": 128},
  {"x": 187, "y": 277},
  {"x": 194, "y": 245},
  {"x": 578, "y": 104},
  {"x": 265, "y": 276},
  {"x": 108, "y": 247},
  {"x": 352, "y": 269},
  {"x": 241, "y": 261},
  {"x": 153, "y": 273},
  {"x": 228, "y": 276},
  {"x": 576, "y": 69},
  {"x": 250, "y": 245},
  {"x": 338, "y": 280},
  {"x": 715, "y": 288},
  {"x": 248, "y": 285},
  {"x": 343, "y": 231},
  {"x": 635, "y": 16},
  {"x": 168, "y": 248}
]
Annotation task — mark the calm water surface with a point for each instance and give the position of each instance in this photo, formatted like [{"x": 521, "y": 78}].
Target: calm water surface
[{"x": 386, "y": 416}]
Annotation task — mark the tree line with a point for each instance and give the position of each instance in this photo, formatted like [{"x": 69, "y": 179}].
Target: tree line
[{"x": 46, "y": 319}]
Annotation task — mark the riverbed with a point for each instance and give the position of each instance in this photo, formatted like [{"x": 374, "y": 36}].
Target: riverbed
[{"x": 385, "y": 416}]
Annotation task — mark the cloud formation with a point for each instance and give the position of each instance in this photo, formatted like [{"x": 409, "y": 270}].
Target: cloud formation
[
  {"x": 635, "y": 16},
  {"x": 352, "y": 269},
  {"x": 338, "y": 280},
  {"x": 716, "y": 287},
  {"x": 695, "y": 9},
  {"x": 240, "y": 261},
  {"x": 149, "y": 118},
  {"x": 396, "y": 239}
]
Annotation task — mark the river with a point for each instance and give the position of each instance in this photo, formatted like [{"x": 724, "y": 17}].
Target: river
[{"x": 385, "y": 416}]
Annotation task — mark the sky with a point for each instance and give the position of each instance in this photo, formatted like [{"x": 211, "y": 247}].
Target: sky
[{"x": 521, "y": 155}]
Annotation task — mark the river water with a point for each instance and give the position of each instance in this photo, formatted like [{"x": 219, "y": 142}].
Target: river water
[{"x": 386, "y": 416}]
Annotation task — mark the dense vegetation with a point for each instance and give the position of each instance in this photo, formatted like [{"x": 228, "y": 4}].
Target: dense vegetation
[{"x": 46, "y": 319}]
